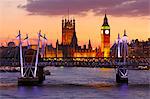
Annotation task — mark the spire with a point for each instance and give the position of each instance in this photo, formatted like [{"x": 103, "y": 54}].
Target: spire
[
  {"x": 89, "y": 45},
  {"x": 105, "y": 23},
  {"x": 74, "y": 23},
  {"x": 105, "y": 16},
  {"x": 125, "y": 33},
  {"x": 89, "y": 42},
  {"x": 74, "y": 41},
  {"x": 74, "y": 36},
  {"x": 62, "y": 22},
  {"x": 57, "y": 41}
]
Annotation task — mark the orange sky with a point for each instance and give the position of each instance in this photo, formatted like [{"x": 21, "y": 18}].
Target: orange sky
[{"x": 12, "y": 19}]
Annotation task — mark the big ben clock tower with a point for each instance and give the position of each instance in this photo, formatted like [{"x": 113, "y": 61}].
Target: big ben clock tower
[{"x": 105, "y": 38}]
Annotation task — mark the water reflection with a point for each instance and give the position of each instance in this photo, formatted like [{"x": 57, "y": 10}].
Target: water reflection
[{"x": 80, "y": 83}]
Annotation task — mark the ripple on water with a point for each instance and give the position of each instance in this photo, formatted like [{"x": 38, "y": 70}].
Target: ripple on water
[{"x": 78, "y": 83}]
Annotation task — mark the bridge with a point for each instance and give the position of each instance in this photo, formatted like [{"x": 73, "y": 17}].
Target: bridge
[
  {"x": 81, "y": 62},
  {"x": 32, "y": 73}
]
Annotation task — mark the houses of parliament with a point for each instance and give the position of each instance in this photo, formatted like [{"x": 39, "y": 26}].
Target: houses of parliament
[{"x": 69, "y": 46}]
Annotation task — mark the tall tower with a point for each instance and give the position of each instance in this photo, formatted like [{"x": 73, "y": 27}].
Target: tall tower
[
  {"x": 68, "y": 30},
  {"x": 69, "y": 39},
  {"x": 105, "y": 38}
]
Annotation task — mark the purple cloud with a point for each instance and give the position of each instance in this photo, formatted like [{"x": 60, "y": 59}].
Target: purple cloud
[{"x": 81, "y": 7}]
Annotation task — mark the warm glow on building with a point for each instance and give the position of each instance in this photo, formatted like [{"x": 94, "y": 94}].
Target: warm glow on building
[
  {"x": 83, "y": 53},
  {"x": 106, "y": 52},
  {"x": 68, "y": 29},
  {"x": 105, "y": 38}
]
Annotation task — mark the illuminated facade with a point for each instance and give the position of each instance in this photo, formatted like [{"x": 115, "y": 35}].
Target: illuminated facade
[
  {"x": 85, "y": 53},
  {"x": 70, "y": 48},
  {"x": 68, "y": 30},
  {"x": 105, "y": 38},
  {"x": 78, "y": 51},
  {"x": 69, "y": 39}
]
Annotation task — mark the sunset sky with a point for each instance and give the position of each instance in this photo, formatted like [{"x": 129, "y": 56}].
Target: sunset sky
[{"x": 30, "y": 16}]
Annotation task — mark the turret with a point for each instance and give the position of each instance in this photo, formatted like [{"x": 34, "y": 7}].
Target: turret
[
  {"x": 125, "y": 33},
  {"x": 57, "y": 43},
  {"x": 105, "y": 23},
  {"x": 65, "y": 22},
  {"x": 89, "y": 45},
  {"x": 62, "y": 23},
  {"x": 74, "y": 23},
  {"x": 74, "y": 40}
]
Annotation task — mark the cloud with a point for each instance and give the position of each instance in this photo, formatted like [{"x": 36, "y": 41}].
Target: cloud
[{"x": 81, "y": 7}]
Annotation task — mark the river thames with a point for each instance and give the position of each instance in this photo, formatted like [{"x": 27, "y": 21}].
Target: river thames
[{"x": 78, "y": 83}]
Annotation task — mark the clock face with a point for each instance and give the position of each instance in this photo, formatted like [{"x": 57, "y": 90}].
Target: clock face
[{"x": 106, "y": 31}]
